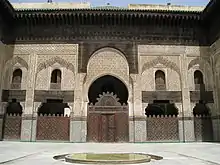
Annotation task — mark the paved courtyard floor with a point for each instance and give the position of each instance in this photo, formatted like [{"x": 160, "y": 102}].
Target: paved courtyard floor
[{"x": 25, "y": 153}]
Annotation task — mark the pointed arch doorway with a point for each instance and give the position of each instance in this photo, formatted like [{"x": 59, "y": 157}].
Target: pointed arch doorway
[{"x": 107, "y": 111}]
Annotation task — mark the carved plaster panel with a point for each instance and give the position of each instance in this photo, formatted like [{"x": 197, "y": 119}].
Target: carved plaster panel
[
  {"x": 107, "y": 61},
  {"x": 55, "y": 49}
]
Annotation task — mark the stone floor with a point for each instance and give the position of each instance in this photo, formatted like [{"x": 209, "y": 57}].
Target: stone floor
[{"x": 24, "y": 153}]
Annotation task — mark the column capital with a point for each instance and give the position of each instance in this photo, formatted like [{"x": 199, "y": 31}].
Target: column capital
[{"x": 135, "y": 77}]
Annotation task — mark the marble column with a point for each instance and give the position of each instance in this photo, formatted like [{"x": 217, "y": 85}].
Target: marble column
[
  {"x": 137, "y": 123},
  {"x": 2, "y": 113},
  {"x": 215, "y": 112},
  {"x": 186, "y": 123},
  {"x": 78, "y": 124},
  {"x": 3, "y": 105},
  {"x": 27, "y": 116}
]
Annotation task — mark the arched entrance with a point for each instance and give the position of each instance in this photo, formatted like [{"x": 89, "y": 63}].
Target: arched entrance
[{"x": 107, "y": 111}]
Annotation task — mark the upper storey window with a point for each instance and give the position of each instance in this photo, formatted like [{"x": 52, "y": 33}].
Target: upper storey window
[
  {"x": 55, "y": 79},
  {"x": 198, "y": 80},
  {"x": 160, "y": 81},
  {"x": 16, "y": 79}
]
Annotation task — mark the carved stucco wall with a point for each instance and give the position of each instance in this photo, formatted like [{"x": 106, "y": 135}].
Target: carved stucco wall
[
  {"x": 67, "y": 77},
  {"x": 65, "y": 61},
  {"x": 107, "y": 61},
  {"x": 169, "y": 59},
  {"x": 203, "y": 65},
  {"x": 215, "y": 56},
  {"x": 150, "y": 64},
  {"x": 30, "y": 57},
  {"x": 18, "y": 61},
  {"x": 49, "y": 57}
]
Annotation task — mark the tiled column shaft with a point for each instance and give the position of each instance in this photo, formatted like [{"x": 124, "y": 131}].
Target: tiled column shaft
[
  {"x": 139, "y": 131},
  {"x": 78, "y": 127},
  {"x": 26, "y": 128},
  {"x": 186, "y": 124}
]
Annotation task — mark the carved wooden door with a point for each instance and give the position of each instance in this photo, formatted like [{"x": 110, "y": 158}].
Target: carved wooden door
[
  {"x": 107, "y": 120},
  {"x": 107, "y": 128}
]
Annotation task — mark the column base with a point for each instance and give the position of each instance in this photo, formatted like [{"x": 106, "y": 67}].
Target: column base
[
  {"x": 78, "y": 129},
  {"x": 131, "y": 130},
  {"x": 28, "y": 128},
  {"x": 1, "y": 126},
  {"x": 216, "y": 128},
  {"x": 186, "y": 129}
]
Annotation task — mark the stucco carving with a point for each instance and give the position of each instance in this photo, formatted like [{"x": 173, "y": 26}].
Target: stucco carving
[
  {"x": 107, "y": 60},
  {"x": 44, "y": 48},
  {"x": 10, "y": 63},
  {"x": 54, "y": 60},
  {"x": 161, "y": 60},
  {"x": 197, "y": 60}
]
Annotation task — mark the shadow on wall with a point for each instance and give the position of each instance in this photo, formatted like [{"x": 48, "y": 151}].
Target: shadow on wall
[
  {"x": 12, "y": 121},
  {"x": 161, "y": 108},
  {"x": 202, "y": 122},
  {"x": 52, "y": 107}
]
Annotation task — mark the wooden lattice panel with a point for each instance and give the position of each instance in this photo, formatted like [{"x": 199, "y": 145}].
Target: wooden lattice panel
[
  {"x": 53, "y": 128},
  {"x": 93, "y": 128},
  {"x": 111, "y": 128},
  {"x": 122, "y": 134},
  {"x": 162, "y": 129},
  {"x": 203, "y": 129},
  {"x": 12, "y": 127}
]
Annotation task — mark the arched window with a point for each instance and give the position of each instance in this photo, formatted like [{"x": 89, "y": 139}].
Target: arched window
[
  {"x": 160, "y": 80},
  {"x": 55, "y": 79},
  {"x": 56, "y": 76},
  {"x": 16, "y": 79},
  {"x": 198, "y": 77},
  {"x": 17, "y": 76},
  {"x": 198, "y": 81}
]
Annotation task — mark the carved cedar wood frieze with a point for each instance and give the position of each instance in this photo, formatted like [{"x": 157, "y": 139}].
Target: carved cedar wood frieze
[
  {"x": 8, "y": 95},
  {"x": 89, "y": 25},
  {"x": 43, "y": 95},
  {"x": 150, "y": 96}
]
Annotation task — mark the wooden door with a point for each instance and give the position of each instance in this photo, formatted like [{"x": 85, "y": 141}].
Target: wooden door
[{"x": 107, "y": 129}]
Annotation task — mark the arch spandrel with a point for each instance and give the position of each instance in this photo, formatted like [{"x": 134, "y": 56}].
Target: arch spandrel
[
  {"x": 54, "y": 60},
  {"x": 163, "y": 61},
  {"x": 199, "y": 61},
  {"x": 10, "y": 63},
  {"x": 107, "y": 61}
]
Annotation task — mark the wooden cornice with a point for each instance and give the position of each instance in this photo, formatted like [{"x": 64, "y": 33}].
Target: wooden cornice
[{"x": 126, "y": 13}]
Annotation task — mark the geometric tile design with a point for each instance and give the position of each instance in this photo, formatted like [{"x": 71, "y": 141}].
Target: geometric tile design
[{"x": 53, "y": 128}]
